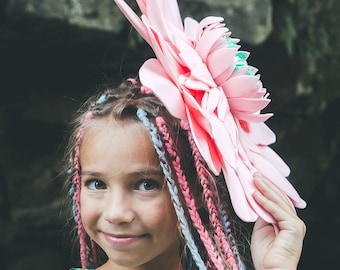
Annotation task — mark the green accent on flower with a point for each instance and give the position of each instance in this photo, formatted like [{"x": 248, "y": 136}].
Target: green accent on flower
[
  {"x": 231, "y": 44},
  {"x": 241, "y": 58},
  {"x": 242, "y": 55},
  {"x": 251, "y": 71}
]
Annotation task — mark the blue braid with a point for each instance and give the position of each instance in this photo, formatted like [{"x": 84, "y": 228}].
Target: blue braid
[
  {"x": 225, "y": 225},
  {"x": 74, "y": 209},
  {"x": 71, "y": 193},
  {"x": 101, "y": 99},
  {"x": 142, "y": 116}
]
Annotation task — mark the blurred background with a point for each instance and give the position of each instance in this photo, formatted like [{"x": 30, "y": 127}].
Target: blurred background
[{"x": 53, "y": 54}]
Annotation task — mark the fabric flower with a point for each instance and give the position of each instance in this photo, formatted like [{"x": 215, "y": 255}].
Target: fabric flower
[{"x": 201, "y": 77}]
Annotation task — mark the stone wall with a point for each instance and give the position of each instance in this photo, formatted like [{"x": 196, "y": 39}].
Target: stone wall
[{"x": 103, "y": 15}]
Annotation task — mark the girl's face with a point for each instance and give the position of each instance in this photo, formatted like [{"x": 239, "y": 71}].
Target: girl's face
[{"x": 125, "y": 205}]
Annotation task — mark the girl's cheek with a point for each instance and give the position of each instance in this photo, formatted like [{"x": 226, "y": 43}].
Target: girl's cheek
[{"x": 89, "y": 211}]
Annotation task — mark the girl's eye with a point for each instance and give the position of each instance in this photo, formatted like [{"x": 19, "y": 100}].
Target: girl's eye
[
  {"x": 148, "y": 184},
  {"x": 95, "y": 184}
]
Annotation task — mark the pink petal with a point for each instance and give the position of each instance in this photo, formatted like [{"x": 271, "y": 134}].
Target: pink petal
[
  {"x": 142, "y": 5},
  {"x": 241, "y": 86},
  {"x": 164, "y": 15},
  {"x": 255, "y": 118},
  {"x": 206, "y": 42},
  {"x": 245, "y": 177},
  {"x": 153, "y": 76},
  {"x": 163, "y": 52},
  {"x": 223, "y": 106},
  {"x": 229, "y": 121},
  {"x": 190, "y": 28},
  {"x": 210, "y": 100},
  {"x": 189, "y": 56},
  {"x": 221, "y": 70},
  {"x": 205, "y": 145},
  {"x": 223, "y": 140},
  {"x": 275, "y": 160},
  {"x": 238, "y": 198},
  {"x": 133, "y": 18},
  {"x": 192, "y": 84},
  {"x": 261, "y": 134},
  {"x": 208, "y": 23},
  {"x": 266, "y": 169},
  {"x": 202, "y": 73},
  {"x": 249, "y": 105},
  {"x": 194, "y": 109}
]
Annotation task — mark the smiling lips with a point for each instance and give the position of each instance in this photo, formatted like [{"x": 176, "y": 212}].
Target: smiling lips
[{"x": 120, "y": 240}]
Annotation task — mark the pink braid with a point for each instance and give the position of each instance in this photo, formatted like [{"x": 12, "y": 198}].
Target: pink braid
[
  {"x": 94, "y": 252},
  {"x": 81, "y": 231},
  {"x": 132, "y": 80},
  {"x": 145, "y": 90},
  {"x": 77, "y": 184},
  {"x": 208, "y": 196},
  {"x": 205, "y": 237}
]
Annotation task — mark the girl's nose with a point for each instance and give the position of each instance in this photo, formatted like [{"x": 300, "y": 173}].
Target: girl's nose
[{"x": 119, "y": 208}]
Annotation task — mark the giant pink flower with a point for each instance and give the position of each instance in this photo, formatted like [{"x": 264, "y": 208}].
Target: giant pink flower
[{"x": 201, "y": 77}]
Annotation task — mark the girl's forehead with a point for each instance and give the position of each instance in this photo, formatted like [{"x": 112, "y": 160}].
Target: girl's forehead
[
  {"x": 104, "y": 125},
  {"x": 108, "y": 130},
  {"x": 110, "y": 146}
]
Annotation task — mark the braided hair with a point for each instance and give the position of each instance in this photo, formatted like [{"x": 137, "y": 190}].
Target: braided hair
[{"x": 200, "y": 204}]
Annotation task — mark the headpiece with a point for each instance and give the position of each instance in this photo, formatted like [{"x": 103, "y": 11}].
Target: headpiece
[{"x": 203, "y": 79}]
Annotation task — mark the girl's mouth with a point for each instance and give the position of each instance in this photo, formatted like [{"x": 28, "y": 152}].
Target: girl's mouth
[{"x": 122, "y": 240}]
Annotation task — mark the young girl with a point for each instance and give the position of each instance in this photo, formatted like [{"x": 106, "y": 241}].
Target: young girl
[{"x": 154, "y": 163}]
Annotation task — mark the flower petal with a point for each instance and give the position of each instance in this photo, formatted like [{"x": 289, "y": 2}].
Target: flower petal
[
  {"x": 205, "y": 145},
  {"x": 241, "y": 86},
  {"x": 266, "y": 168},
  {"x": 248, "y": 105},
  {"x": 153, "y": 76},
  {"x": 207, "y": 40},
  {"x": 241, "y": 203},
  {"x": 260, "y": 134},
  {"x": 190, "y": 29},
  {"x": 166, "y": 17},
  {"x": 223, "y": 141},
  {"x": 221, "y": 70},
  {"x": 133, "y": 18}
]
